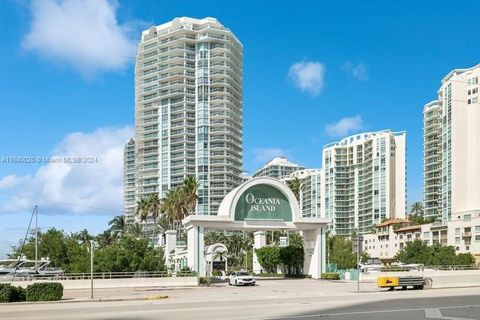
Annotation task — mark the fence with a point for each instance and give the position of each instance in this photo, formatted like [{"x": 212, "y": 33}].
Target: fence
[{"x": 102, "y": 275}]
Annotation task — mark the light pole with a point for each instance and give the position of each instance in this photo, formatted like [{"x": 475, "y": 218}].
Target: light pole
[{"x": 92, "y": 247}]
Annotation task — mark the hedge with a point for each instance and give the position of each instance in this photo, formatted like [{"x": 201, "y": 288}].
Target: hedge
[
  {"x": 9, "y": 293},
  {"x": 330, "y": 276},
  {"x": 48, "y": 291}
]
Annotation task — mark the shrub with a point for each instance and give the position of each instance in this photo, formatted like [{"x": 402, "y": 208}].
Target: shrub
[
  {"x": 9, "y": 293},
  {"x": 6, "y": 292},
  {"x": 205, "y": 281},
  {"x": 269, "y": 258},
  {"x": 48, "y": 291},
  {"x": 330, "y": 276},
  {"x": 216, "y": 273},
  {"x": 19, "y": 294}
]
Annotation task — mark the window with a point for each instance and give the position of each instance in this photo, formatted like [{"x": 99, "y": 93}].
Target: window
[
  {"x": 457, "y": 240},
  {"x": 477, "y": 229},
  {"x": 426, "y": 234},
  {"x": 477, "y": 238},
  {"x": 457, "y": 231},
  {"x": 467, "y": 217}
]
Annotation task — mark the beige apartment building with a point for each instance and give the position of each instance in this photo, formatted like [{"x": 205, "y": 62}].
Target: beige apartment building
[
  {"x": 452, "y": 146},
  {"x": 391, "y": 236},
  {"x": 310, "y": 191},
  {"x": 279, "y": 167},
  {"x": 364, "y": 181}
]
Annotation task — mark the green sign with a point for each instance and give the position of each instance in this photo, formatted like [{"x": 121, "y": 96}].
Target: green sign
[{"x": 263, "y": 202}]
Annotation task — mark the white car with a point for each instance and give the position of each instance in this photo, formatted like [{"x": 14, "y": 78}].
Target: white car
[{"x": 241, "y": 278}]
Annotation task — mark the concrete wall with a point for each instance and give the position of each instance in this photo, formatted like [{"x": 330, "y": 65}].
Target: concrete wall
[{"x": 121, "y": 283}]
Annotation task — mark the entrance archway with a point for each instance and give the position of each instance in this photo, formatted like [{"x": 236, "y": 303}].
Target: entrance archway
[{"x": 260, "y": 204}]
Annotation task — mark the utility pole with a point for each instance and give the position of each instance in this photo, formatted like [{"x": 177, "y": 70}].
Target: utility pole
[{"x": 358, "y": 263}]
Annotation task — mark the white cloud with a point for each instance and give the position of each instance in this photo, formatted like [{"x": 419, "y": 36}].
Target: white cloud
[
  {"x": 261, "y": 155},
  {"x": 85, "y": 186},
  {"x": 308, "y": 76},
  {"x": 344, "y": 126},
  {"x": 358, "y": 71},
  {"x": 83, "y": 33}
]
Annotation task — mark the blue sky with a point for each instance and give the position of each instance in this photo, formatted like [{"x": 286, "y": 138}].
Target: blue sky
[{"x": 313, "y": 71}]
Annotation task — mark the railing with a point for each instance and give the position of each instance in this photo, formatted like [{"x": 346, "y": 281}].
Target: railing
[
  {"x": 107, "y": 275},
  {"x": 428, "y": 268}
]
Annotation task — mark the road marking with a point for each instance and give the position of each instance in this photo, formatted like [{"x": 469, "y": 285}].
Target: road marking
[
  {"x": 375, "y": 311},
  {"x": 435, "y": 313}
]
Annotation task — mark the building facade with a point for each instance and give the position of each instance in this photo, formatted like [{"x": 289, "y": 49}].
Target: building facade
[
  {"x": 279, "y": 167},
  {"x": 129, "y": 181},
  {"x": 364, "y": 181},
  {"x": 310, "y": 192},
  {"x": 389, "y": 237},
  {"x": 188, "y": 110},
  {"x": 459, "y": 115},
  {"x": 432, "y": 156}
]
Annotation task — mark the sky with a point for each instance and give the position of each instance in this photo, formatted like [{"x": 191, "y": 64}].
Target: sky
[{"x": 314, "y": 72}]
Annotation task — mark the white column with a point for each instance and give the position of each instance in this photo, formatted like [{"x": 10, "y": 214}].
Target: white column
[
  {"x": 314, "y": 252},
  {"x": 259, "y": 241},
  {"x": 195, "y": 248},
  {"x": 170, "y": 241}
]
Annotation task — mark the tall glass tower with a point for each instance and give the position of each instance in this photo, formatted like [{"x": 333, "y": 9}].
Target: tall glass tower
[{"x": 188, "y": 110}]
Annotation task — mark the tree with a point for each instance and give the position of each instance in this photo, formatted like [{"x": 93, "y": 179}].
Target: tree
[
  {"x": 134, "y": 230},
  {"x": 117, "y": 226},
  {"x": 173, "y": 206},
  {"x": 269, "y": 258},
  {"x": 221, "y": 255},
  {"x": 296, "y": 186},
  {"x": 142, "y": 209},
  {"x": 340, "y": 252},
  {"x": 291, "y": 258},
  {"x": 190, "y": 187},
  {"x": 416, "y": 208},
  {"x": 213, "y": 236},
  {"x": 437, "y": 254}
]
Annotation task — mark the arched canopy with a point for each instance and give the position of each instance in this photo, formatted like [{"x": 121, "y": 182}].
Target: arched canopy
[{"x": 261, "y": 203}]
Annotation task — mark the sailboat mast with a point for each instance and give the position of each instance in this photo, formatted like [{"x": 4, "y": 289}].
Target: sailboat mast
[{"x": 35, "y": 209}]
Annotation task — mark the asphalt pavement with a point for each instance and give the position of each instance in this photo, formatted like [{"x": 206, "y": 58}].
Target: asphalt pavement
[{"x": 276, "y": 299}]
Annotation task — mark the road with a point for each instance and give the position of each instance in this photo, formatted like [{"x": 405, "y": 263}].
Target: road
[{"x": 278, "y": 299}]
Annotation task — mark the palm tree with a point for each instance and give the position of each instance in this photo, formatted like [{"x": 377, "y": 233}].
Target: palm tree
[
  {"x": 117, "y": 226},
  {"x": 142, "y": 210},
  {"x": 416, "y": 208},
  {"x": 173, "y": 206},
  {"x": 190, "y": 187},
  {"x": 221, "y": 255},
  {"x": 154, "y": 206},
  {"x": 135, "y": 230},
  {"x": 212, "y": 237},
  {"x": 163, "y": 225},
  {"x": 296, "y": 186}
]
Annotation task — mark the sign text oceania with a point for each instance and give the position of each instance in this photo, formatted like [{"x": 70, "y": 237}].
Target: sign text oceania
[{"x": 261, "y": 204}]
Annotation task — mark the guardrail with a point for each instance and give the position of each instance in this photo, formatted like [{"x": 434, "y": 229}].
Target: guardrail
[
  {"x": 428, "y": 268},
  {"x": 107, "y": 275}
]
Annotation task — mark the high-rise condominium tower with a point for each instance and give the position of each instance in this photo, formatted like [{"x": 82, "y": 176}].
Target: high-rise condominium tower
[
  {"x": 129, "y": 181},
  {"x": 188, "y": 110},
  {"x": 432, "y": 159},
  {"x": 364, "y": 181},
  {"x": 459, "y": 144},
  {"x": 278, "y": 167},
  {"x": 310, "y": 191}
]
